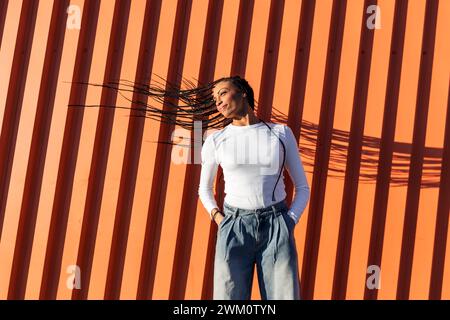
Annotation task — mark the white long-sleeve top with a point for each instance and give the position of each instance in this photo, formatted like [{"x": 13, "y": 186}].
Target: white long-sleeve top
[{"x": 251, "y": 158}]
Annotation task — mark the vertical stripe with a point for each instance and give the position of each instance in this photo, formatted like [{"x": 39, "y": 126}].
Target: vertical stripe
[
  {"x": 102, "y": 141},
  {"x": 417, "y": 153},
  {"x": 69, "y": 152},
  {"x": 133, "y": 143},
  {"x": 387, "y": 141},
  {"x": 135, "y": 132},
  {"x": 104, "y": 126},
  {"x": 33, "y": 180},
  {"x": 441, "y": 231},
  {"x": 347, "y": 217},
  {"x": 299, "y": 77},
  {"x": 242, "y": 38},
  {"x": 271, "y": 50},
  {"x": 14, "y": 98},
  {"x": 163, "y": 157},
  {"x": 321, "y": 161},
  {"x": 36, "y": 161},
  {"x": 3, "y": 10},
  {"x": 192, "y": 177}
]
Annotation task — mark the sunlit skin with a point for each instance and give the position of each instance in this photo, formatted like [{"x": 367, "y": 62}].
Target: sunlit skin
[{"x": 232, "y": 104}]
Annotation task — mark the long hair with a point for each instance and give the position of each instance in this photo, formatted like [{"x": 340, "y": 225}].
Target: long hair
[{"x": 182, "y": 105}]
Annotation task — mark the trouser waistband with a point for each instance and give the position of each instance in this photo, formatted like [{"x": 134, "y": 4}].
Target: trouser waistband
[{"x": 276, "y": 207}]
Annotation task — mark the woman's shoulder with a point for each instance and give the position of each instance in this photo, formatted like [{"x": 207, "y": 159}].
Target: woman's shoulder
[
  {"x": 279, "y": 127},
  {"x": 284, "y": 131},
  {"x": 213, "y": 135}
]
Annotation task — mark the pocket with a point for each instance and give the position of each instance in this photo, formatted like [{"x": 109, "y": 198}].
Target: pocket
[
  {"x": 222, "y": 222},
  {"x": 290, "y": 223}
]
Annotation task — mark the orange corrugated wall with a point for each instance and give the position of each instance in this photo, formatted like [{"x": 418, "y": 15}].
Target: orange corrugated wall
[{"x": 92, "y": 188}]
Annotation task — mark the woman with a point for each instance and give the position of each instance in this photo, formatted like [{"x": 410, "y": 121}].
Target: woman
[{"x": 255, "y": 226}]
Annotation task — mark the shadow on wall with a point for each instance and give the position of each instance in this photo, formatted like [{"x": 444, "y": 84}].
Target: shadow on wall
[
  {"x": 182, "y": 115},
  {"x": 369, "y": 155}
]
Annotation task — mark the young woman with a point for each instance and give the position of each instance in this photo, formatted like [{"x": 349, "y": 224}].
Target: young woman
[{"x": 256, "y": 225}]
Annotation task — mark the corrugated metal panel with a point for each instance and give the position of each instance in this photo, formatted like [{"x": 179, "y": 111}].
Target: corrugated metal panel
[{"x": 89, "y": 188}]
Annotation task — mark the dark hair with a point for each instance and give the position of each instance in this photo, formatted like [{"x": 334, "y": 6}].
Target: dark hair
[
  {"x": 243, "y": 86},
  {"x": 181, "y": 106}
]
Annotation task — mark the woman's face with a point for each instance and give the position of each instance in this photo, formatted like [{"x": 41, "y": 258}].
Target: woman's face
[{"x": 229, "y": 100}]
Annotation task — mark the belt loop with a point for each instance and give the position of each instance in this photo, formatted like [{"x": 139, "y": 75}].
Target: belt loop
[{"x": 274, "y": 209}]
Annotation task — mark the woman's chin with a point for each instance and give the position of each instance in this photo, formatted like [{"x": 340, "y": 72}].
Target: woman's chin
[{"x": 227, "y": 114}]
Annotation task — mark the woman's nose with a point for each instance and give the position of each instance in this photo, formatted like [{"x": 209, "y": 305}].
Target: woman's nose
[{"x": 218, "y": 103}]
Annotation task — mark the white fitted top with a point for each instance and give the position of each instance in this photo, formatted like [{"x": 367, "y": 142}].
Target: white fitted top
[{"x": 251, "y": 158}]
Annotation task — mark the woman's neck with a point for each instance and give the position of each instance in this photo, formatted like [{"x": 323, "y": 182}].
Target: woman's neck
[{"x": 246, "y": 120}]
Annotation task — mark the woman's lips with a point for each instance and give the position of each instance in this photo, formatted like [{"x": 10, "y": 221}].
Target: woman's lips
[{"x": 221, "y": 108}]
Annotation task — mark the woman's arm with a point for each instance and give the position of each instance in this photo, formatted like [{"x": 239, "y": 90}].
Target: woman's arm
[
  {"x": 207, "y": 175},
  {"x": 296, "y": 171}
]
